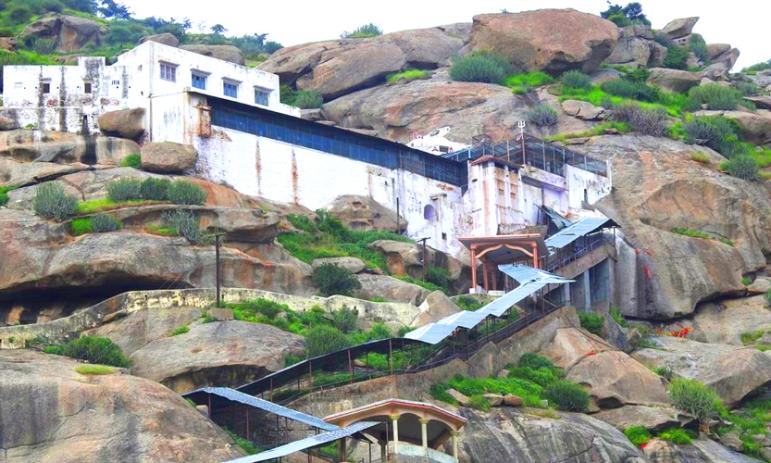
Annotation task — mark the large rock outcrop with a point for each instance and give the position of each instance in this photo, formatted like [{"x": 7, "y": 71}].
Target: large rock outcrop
[
  {"x": 674, "y": 80},
  {"x": 223, "y": 52},
  {"x": 550, "y": 40},
  {"x": 656, "y": 187},
  {"x": 124, "y": 123},
  {"x": 397, "y": 112},
  {"x": 36, "y": 146},
  {"x": 506, "y": 435},
  {"x": 69, "y": 33},
  {"x": 636, "y": 47},
  {"x": 679, "y": 28},
  {"x": 50, "y": 413},
  {"x": 338, "y": 67},
  {"x": 755, "y": 127},
  {"x": 364, "y": 213},
  {"x": 701, "y": 451},
  {"x": 168, "y": 157},
  {"x": 226, "y": 353},
  {"x": 734, "y": 372}
]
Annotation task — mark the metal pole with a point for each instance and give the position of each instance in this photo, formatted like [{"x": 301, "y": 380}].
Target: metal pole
[
  {"x": 390, "y": 363},
  {"x": 217, "y": 268},
  {"x": 350, "y": 365},
  {"x": 398, "y": 217}
]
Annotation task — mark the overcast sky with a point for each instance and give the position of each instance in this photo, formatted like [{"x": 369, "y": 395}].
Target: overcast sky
[{"x": 742, "y": 23}]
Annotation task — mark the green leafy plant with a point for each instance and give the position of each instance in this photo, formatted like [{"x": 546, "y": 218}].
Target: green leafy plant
[
  {"x": 634, "y": 89},
  {"x": 367, "y": 30},
  {"x": 678, "y": 436},
  {"x": 154, "y": 189},
  {"x": 52, "y": 202},
  {"x": 407, "y": 76},
  {"x": 717, "y": 132},
  {"x": 93, "y": 349},
  {"x": 638, "y": 435},
  {"x": 665, "y": 372},
  {"x": 743, "y": 166},
  {"x": 124, "y": 189},
  {"x": 698, "y": 46},
  {"x": 676, "y": 57},
  {"x": 468, "y": 303},
  {"x": 702, "y": 158},
  {"x": 647, "y": 121},
  {"x": 81, "y": 226},
  {"x": 132, "y": 160},
  {"x": 479, "y": 402},
  {"x": 249, "y": 447},
  {"x": 714, "y": 96},
  {"x": 186, "y": 225},
  {"x": 615, "y": 313},
  {"x": 543, "y": 115},
  {"x": 332, "y": 279},
  {"x": 440, "y": 277},
  {"x": 185, "y": 192},
  {"x": 324, "y": 339},
  {"x": 524, "y": 82},
  {"x": 308, "y": 99},
  {"x": 567, "y": 396},
  {"x": 576, "y": 80},
  {"x": 480, "y": 66},
  {"x": 4, "y": 190},
  {"x": 695, "y": 398},
  {"x": 625, "y": 16},
  {"x": 103, "y": 223},
  {"x": 180, "y": 330},
  {"x": 592, "y": 322},
  {"x": 344, "y": 319},
  {"x": 700, "y": 234}
]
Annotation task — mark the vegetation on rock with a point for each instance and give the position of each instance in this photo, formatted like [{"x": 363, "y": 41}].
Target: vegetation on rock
[
  {"x": 524, "y": 82},
  {"x": 480, "y": 66},
  {"x": 576, "y": 80},
  {"x": 4, "y": 190},
  {"x": 626, "y": 15},
  {"x": 186, "y": 224},
  {"x": 52, "y": 202},
  {"x": 132, "y": 160},
  {"x": 362, "y": 32},
  {"x": 94, "y": 369},
  {"x": 92, "y": 349},
  {"x": 100, "y": 223},
  {"x": 323, "y": 339},
  {"x": 695, "y": 398},
  {"x": 647, "y": 121},
  {"x": 542, "y": 115},
  {"x": 638, "y": 435},
  {"x": 713, "y": 96},
  {"x": 592, "y": 322},
  {"x": 407, "y": 75},
  {"x": 333, "y": 279}
]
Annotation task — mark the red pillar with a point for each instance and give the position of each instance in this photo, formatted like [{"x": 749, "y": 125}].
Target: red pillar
[
  {"x": 473, "y": 267},
  {"x": 484, "y": 274}
]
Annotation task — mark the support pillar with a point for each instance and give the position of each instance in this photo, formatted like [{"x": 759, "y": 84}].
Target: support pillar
[
  {"x": 587, "y": 291},
  {"x": 484, "y": 276},
  {"x": 454, "y": 435},
  {"x": 383, "y": 447},
  {"x": 341, "y": 450},
  {"x": 566, "y": 293},
  {"x": 473, "y": 269},
  {"x": 424, "y": 431},
  {"x": 395, "y": 430}
]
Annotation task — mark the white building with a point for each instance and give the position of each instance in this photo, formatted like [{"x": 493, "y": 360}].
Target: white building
[{"x": 248, "y": 139}]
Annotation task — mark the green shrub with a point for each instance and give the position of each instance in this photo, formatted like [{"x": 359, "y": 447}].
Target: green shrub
[
  {"x": 323, "y": 339},
  {"x": 302, "y": 222},
  {"x": 543, "y": 115},
  {"x": 630, "y": 89},
  {"x": 103, "y": 223},
  {"x": 480, "y": 66},
  {"x": 246, "y": 445},
  {"x": 81, "y": 226},
  {"x": 615, "y": 313},
  {"x": 4, "y": 190},
  {"x": 535, "y": 361},
  {"x": 308, "y": 99},
  {"x": 592, "y": 322},
  {"x": 576, "y": 80},
  {"x": 699, "y": 47},
  {"x": 716, "y": 132},
  {"x": 92, "y": 349},
  {"x": 468, "y": 303},
  {"x": 439, "y": 392},
  {"x": 567, "y": 396},
  {"x": 676, "y": 58},
  {"x": 755, "y": 68},
  {"x": 714, "y": 96},
  {"x": 185, "y": 223},
  {"x": 699, "y": 157},
  {"x": 19, "y": 14},
  {"x": 407, "y": 75},
  {"x": 665, "y": 372},
  {"x": 154, "y": 189},
  {"x": 52, "y": 202},
  {"x": 367, "y": 30},
  {"x": 332, "y": 279},
  {"x": 647, "y": 121},
  {"x": 748, "y": 88},
  {"x": 344, "y": 319},
  {"x": 695, "y": 398},
  {"x": 132, "y": 160},
  {"x": 124, "y": 189},
  {"x": 440, "y": 277},
  {"x": 662, "y": 39},
  {"x": 184, "y": 192},
  {"x": 479, "y": 402},
  {"x": 677, "y": 435},
  {"x": 768, "y": 298},
  {"x": 743, "y": 166},
  {"x": 637, "y": 435},
  {"x": 180, "y": 330},
  {"x": 542, "y": 376}
]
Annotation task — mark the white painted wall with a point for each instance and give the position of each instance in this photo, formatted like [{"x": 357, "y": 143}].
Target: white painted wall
[{"x": 578, "y": 180}]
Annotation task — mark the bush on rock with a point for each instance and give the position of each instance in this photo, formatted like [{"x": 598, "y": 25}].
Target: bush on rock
[{"x": 52, "y": 202}]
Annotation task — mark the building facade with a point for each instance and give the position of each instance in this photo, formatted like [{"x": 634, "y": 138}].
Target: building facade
[{"x": 247, "y": 139}]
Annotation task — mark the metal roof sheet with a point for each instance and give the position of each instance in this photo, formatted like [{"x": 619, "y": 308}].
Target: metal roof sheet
[
  {"x": 270, "y": 407},
  {"x": 559, "y": 220},
  {"x": 581, "y": 228},
  {"x": 308, "y": 442},
  {"x": 530, "y": 280}
]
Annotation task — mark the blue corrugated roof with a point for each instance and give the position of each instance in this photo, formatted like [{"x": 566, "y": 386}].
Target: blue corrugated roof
[
  {"x": 530, "y": 280},
  {"x": 581, "y": 228},
  {"x": 270, "y": 407},
  {"x": 308, "y": 442}
]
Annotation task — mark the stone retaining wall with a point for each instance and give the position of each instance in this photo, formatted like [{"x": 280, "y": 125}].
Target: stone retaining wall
[{"x": 393, "y": 314}]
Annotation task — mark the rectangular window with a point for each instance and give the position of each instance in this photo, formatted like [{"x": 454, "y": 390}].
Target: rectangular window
[
  {"x": 230, "y": 88},
  {"x": 261, "y": 96},
  {"x": 87, "y": 87},
  {"x": 199, "y": 80},
  {"x": 45, "y": 86},
  {"x": 169, "y": 72}
]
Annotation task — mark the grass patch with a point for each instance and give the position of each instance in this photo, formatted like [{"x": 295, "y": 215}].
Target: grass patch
[
  {"x": 751, "y": 422},
  {"x": 249, "y": 447},
  {"x": 161, "y": 230},
  {"x": 637, "y": 435},
  {"x": 751, "y": 336},
  {"x": 702, "y": 158},
  {"x": 328, "y": 237},
  {"x": 525, "y": 82},
  {"x": 422, "y": 283},
  {"x": 672, "y": 103},
  {"x": 615, "y": 313},
  {"x": 4, "y": 190},
  {"x": 88, "y": 369},
  {"x": 469, "y": 303},
  {"x": 106, "y": 204},
  {"x": 700, "y": 234},
  {"x": 180, "y": 330},
  {"x": 407, "y": 76},
  {"x": 592, "y": 322},
  {"x": 132, "y": 160},
  {"x": 678, "y": 436},
  {"x": 93, "y": 349},
  {"x": 81, "y": 226}
]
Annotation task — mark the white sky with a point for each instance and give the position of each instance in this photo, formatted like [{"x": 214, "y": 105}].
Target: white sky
[{"x": 742, "y": 23}]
